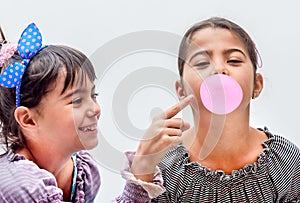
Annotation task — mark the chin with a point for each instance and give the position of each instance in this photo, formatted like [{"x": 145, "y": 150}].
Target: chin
[{"x": 89, "y": 144}]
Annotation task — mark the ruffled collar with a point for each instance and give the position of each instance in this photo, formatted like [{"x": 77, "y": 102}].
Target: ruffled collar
[
  {"x": 245, "y": 171},
  {"x": 80, "y": 194},
  {"x": 12, "y": 156}
]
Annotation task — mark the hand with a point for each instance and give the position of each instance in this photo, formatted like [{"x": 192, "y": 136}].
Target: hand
[{"x": 164, "y": 133}]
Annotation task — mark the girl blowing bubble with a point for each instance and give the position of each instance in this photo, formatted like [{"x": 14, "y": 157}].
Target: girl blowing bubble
[
  {"x": 48, "y": 115},
  {"x": 222, "y": 158}
]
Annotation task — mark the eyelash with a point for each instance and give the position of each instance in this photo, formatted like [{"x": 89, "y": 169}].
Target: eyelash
[
  {"x": 202, "y": 65},
  {"x": 95, "y": 95},
  {"x": 79, "y": 100},
  {"x": 205, "y": 64},
  {"x": 234, "y": 61}
]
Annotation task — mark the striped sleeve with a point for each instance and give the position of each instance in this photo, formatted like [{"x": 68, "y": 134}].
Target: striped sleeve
[
  {"x": 285, "y": 169},
  {"x": 295, "y": 185}
]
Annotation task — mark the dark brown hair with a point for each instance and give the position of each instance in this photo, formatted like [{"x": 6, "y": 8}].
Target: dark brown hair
[
  {"x": 217, "y": 22},
  {"x": 38, "y": 79}
]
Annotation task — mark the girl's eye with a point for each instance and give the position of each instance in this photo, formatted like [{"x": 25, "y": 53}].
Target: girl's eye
[
  {"x": 94, "y": 96},
  {"x": 234, "y": 61},
  {"x": 202, "y": 65},
  {"x": 77, "y": 101}
]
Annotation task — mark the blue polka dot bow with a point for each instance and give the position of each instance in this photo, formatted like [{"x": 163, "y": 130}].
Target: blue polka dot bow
[{"x": 29, "y": 44}]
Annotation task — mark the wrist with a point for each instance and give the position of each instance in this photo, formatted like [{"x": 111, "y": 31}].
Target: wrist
[{"x": 143, "y": 169}]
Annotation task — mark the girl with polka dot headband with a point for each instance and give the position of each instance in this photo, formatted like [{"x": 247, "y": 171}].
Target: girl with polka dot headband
[{"x": 48, "y": 117}]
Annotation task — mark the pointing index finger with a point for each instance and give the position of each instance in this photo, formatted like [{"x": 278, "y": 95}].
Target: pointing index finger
[{"x": 171, "y": 112}]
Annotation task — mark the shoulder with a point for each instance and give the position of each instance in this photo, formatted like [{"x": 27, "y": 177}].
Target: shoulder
[
  {"x": 86, "y": 159},
  {"x": 175, "y": 157},
  {"x": 87, "y": 164},
  {"x": 282, "y": 151},
  {"x": 284, "y": 165},
  {"x": 88, "y": 176},
  {"x": 23, "y": 181}
]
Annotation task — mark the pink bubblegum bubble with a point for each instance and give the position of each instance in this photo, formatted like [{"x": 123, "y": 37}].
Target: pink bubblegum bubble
[{"x": 221, "y": 94}]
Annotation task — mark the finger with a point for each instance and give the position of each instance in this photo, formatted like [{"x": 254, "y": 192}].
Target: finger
[
  {"x": 169, "y": 141},
  {"x": 172, "y": 132},
  {"x": 176, "y": 123},
  {"x": 171, "y": 112},
  {"x": 176, "y": 141},
  {"x": 173, "y": 123},
  {"x": 185, "y": 126}
]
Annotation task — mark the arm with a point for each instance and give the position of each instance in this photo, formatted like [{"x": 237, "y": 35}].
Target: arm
[
  {"x": 144, "y": 180},
  {"x": 137, "y": 190},
  {"x": 295, "y": 183},
  {"x": 163, "y": 134}
]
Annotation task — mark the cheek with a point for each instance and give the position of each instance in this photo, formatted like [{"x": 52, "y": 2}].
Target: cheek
[
  {"x": 68, "y": 121},
  {"x": 78, "y": 116},
  {"x": 192, "y": 82},
  {"x": 193, "y": 79},
  {"x": 247, "y": 84},
  {"x": 192, "y": 85}
]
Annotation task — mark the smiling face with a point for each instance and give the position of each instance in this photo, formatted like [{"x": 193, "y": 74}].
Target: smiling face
[
  {"x": 68, "y": 121},
  {"x": 217, "y": 50}
]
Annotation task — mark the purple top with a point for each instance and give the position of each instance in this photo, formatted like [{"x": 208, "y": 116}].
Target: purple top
[{"x": 23, "y": 181}]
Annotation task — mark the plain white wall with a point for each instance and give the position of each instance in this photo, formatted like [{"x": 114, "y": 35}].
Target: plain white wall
[{"x": 97, "y": 27}]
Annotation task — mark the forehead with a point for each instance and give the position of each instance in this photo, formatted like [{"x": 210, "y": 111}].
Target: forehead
[
  {"x": 81, "y": 80},
  {"x": 215, "y": 39},
  {"x": 61, "y": 85},
  {"x": 55, "y": 92}
]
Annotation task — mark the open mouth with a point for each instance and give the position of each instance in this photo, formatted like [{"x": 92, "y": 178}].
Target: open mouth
[{"x": 88, "y": 128}]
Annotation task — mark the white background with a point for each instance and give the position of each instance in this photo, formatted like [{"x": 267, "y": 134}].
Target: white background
[{"x": 88, "y": 25}]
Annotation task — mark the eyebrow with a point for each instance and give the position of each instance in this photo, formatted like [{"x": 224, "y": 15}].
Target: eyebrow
[
  {"x": 229, "y": 51},
  {"x": 201, "y": 52},
  {"x": 226, "y": 52},
  {"x": 78, "y": 91}
]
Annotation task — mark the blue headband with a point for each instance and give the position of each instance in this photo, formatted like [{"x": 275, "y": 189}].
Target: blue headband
[{"x": 29, "y": 44}]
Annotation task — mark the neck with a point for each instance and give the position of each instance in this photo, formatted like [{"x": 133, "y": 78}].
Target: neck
[{"x": 224, "y": 142}]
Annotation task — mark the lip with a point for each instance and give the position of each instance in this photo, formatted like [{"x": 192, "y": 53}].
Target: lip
[
  {"x": 89, "y": 125},
  {"x": 89, "y": 132}
]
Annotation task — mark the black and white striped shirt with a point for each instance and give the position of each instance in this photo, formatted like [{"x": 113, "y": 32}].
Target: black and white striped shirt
[{"x": 274, "y": 177}]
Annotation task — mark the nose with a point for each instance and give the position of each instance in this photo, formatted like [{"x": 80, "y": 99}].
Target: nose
[
  {"x": 220, "y": 69},
  {"x": 94, "y": 110}
]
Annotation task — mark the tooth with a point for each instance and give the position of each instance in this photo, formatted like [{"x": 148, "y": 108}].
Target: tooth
[{"x": 90, "y": 128}]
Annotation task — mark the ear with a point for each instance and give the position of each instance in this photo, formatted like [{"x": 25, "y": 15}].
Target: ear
[
  {"x": 25, "y": 118},
  {"x": 179, "y": 89},
  {"x": 258, "y": 85}
]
